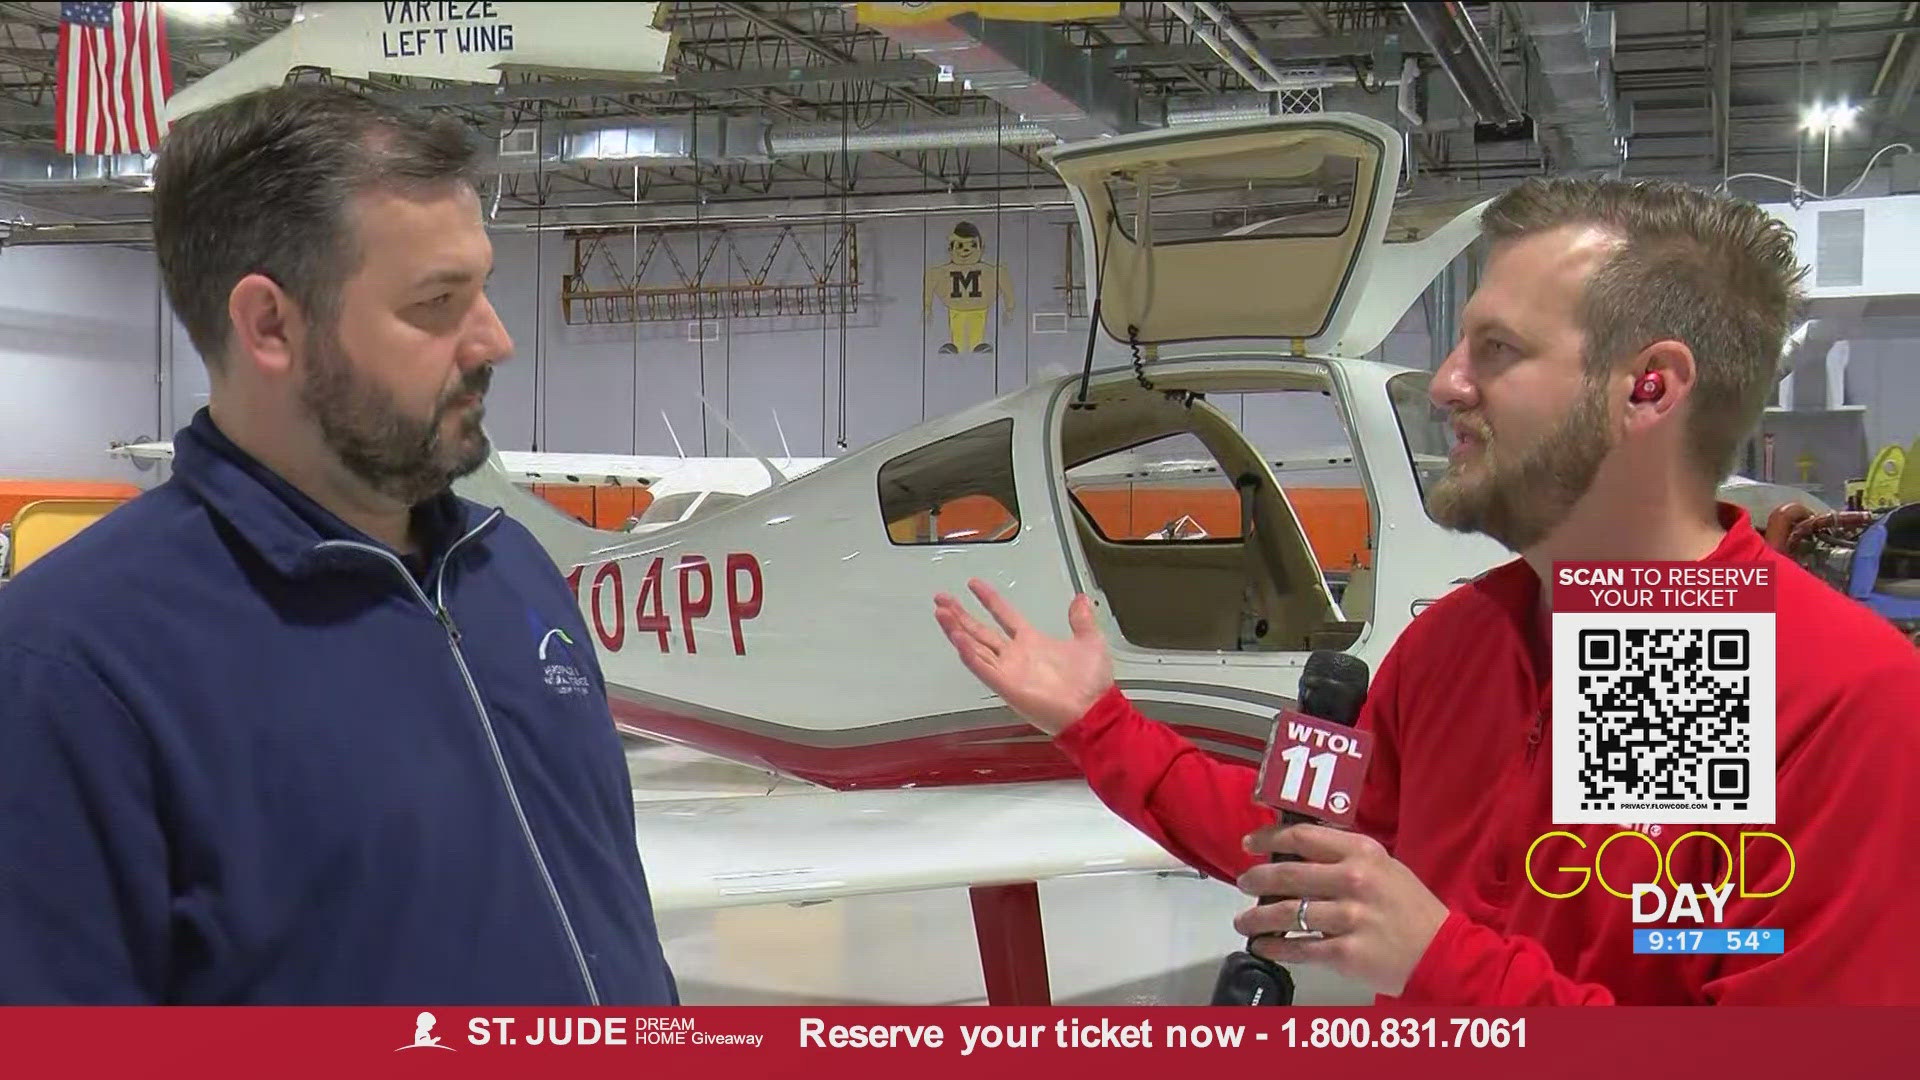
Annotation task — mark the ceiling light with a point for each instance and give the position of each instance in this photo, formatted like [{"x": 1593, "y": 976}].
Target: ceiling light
[{"x": 1829, "y": 117}]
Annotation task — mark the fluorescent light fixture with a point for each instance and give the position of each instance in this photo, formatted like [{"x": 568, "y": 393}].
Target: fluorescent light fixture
[
  {"x": 1829, "y": 117},
  {"x": 205, "y": 13}
]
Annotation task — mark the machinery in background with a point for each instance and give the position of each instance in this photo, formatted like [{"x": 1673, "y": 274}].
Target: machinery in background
[
  {"x": 1871, "y": 556},
  {"x": 1889, "y": 482}
]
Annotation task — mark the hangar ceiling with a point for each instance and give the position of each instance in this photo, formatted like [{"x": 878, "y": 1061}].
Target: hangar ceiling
[{"x": 790, "y": 102}]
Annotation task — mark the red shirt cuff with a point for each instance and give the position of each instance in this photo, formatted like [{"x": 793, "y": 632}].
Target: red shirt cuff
[
  {"x": 1430, "y": 982},
  {"x": 1078, "y": 737}
]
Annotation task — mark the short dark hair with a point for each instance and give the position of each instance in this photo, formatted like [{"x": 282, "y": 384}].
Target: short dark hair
[
  {"x": 1711, "y": 271},
  {"x": 968, "y": 230},
  {"x": 260, "y": 184}
]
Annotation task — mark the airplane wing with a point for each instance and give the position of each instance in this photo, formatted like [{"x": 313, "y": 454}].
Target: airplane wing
[
  {"x": 741, "y": 476},
  {"x": 730, "y": 851}
]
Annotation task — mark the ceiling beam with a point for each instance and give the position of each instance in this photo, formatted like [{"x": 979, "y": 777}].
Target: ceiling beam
[
  {"x": 1720, "y": 24},
  {"x": 1317, "y": 14},
  {"x": 697, "y": 82},
  {"x": 780, "y": 29},
  {"x": 1284, "y": 50}
]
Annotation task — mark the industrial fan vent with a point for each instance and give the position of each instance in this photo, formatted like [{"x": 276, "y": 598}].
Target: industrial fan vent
[
  {"x": 1841, "y": 257},
  {"x": 520, "y": 142}
]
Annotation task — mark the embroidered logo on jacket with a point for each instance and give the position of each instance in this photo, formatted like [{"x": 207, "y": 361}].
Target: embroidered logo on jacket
[{"x": 555, "y": 655}]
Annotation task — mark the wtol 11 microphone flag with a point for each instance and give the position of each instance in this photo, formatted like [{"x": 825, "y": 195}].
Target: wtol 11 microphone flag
[{"x": 1313, "y": 769}]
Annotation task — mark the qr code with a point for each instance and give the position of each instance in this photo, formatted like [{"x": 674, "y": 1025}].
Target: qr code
[{"x": 1664, "y": 723}]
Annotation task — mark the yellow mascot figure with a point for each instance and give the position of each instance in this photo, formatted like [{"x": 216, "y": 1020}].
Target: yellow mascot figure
[{"x": 967, "y": 287}]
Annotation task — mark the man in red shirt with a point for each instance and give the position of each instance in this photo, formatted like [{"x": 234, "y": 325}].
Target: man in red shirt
[{"x": 1621, "y": 344}]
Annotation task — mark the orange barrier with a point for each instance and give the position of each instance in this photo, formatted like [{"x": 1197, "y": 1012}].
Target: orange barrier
[
  {"x": 600, "y": 507},
  {"x": 1335, "y": 519}
]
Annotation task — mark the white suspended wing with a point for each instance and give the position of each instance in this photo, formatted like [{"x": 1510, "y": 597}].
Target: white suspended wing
[{"x": 739, "y": 476}]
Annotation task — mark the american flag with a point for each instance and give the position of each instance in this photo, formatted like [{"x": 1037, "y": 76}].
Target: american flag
[{"x": 114, "y": 78}]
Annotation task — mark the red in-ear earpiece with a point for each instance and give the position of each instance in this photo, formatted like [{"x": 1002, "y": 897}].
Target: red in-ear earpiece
[{"x": 1650, "y": 387}]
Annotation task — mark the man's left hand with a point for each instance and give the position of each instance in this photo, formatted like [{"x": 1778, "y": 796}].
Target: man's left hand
[{"x": 1377, "y": 918}]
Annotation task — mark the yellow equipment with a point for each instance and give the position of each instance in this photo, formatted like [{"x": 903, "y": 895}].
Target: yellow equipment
[
  {"x": 1880, "y": 488},
  {"x": 41, "y": 526}
]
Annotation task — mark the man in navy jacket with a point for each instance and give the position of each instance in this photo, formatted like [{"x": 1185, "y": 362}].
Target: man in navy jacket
[{"x": 300, "y": 725}]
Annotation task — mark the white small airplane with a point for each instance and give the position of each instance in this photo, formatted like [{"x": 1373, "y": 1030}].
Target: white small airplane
[{"x": 791, "y": 629}]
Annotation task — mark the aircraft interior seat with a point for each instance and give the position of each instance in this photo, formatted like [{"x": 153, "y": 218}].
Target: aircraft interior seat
[
  {"x": 1357, "y": 599},
  {"x": 1184, "y": 597},
  {"x": 1191, "y": 596}
]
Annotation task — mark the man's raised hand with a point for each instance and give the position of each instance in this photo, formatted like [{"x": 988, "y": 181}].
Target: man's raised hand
[{"x": 1049, "y": 681}]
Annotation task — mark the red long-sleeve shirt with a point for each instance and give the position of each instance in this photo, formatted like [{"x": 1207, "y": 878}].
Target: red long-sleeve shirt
[{"x": 1460, "y": 786}]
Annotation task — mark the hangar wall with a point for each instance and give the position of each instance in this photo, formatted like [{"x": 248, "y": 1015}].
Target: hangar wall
[
  {"x": 90, "y": 354},
  {"x": 78, "y": 363},
  {"x": 1884, "y": 375}
]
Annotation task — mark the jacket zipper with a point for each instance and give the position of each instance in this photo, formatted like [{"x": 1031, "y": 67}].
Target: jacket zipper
[
  {"x": 438, "y": 609},
  {"x": 1542, "y": 712}
]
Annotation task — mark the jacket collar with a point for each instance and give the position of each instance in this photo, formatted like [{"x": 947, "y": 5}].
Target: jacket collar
[{"x": 280, "y": 522}]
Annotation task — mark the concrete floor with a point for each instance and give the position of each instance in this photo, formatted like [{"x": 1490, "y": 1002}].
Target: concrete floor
[{"x": 1124, "y": 939}]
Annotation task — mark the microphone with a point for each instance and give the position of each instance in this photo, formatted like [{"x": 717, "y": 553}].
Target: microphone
[{"x": 1312, "y": 771}]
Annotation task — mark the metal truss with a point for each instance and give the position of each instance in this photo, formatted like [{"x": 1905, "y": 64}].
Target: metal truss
[{"x": 600, "y": 291}]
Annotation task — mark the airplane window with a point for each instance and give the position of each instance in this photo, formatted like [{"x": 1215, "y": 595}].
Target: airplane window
[
  {"x": 669, "y": 509},
  {"x": 717, "y": 501},
  {"x": 1423, "y": 428},
  {"x": 959, "y": 490},
  {"x": 1170, "y": 489},
  {"x": 1253, "y": 196}
]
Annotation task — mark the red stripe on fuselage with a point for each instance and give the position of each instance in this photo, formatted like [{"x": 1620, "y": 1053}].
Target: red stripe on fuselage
[{"x": 978, "y": 756}]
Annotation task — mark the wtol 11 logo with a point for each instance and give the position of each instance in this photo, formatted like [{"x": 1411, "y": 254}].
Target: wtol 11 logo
[{"x": 1693, "y": 913}]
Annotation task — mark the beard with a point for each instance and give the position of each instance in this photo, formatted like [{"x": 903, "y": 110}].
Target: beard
[
  {"x": 1518, "y": 496},
  {"x": 404, "y": 457}
]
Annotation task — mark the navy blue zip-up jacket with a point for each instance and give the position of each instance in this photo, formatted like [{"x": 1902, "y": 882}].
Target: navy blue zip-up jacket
[{"x": 248, "y": 755}]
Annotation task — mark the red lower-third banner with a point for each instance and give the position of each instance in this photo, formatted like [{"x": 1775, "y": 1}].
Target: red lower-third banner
[{"x": 891, "y": 1043}]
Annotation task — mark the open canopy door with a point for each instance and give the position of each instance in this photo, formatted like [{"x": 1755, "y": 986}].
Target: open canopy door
[{"x": 1267, "y": 229}]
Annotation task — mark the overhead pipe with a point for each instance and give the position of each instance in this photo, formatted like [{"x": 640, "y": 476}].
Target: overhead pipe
[
  {"x": 1244, "y": 40},
  {"x": 973, "y": 133},
  {"x": 555, "y": 219},
  {"x": 41, "y": 166},
  {"x": 1269, "y": 80},
  {"x": 1030, "y": 69},
  {"x": 1574, "y": 45},
  {"x": 1463, "y": 55},
  {"x": 1212, "y": 41}
]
